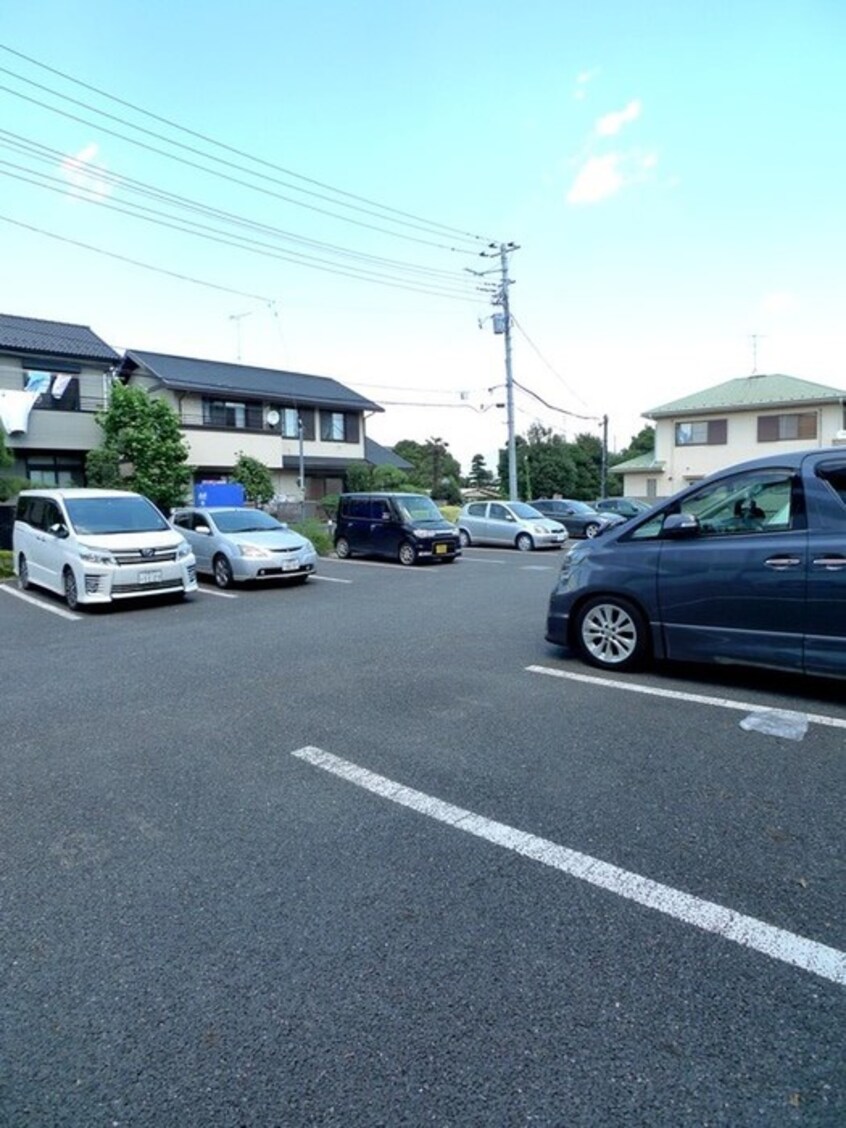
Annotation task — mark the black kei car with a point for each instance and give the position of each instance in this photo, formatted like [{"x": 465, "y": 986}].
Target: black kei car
[
  {"x": 405, "y": 527},
  {"x": 746, "y": 566}
]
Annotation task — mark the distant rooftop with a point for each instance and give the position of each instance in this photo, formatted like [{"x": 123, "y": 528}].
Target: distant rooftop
[
  {"x": 190, "y": 374},
  {"x": 32, "y": 336},
  {"x": 774, "y": 390}
]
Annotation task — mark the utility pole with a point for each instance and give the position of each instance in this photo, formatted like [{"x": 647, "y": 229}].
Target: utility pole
[
  {"x": 500, "y": 298},
  {"x": 603, "y": 473}
]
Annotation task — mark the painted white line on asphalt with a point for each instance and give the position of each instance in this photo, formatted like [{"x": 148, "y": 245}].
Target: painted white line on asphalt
[
  {"x": 819, "y": 959},
  {"x": 397, "y": 567},
  {"x": 214, "y": 591},
  {"x": 536, "y": 568},
  {"x": 679, "y": 695},
  {"x": 39, "y": 603},
  {"x": 331, "y": 579},
  {"x": 480, "y": 560}
]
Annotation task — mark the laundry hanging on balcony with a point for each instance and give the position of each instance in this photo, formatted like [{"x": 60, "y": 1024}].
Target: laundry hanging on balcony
[{"x": 14, "y": 410}]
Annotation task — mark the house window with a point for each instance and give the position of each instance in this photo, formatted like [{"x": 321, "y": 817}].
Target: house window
[
  {"x": 339, "y": 426},
  {"x": 290, "y": 425},
  {"x": 59, "y": 472},
  {"x": 57, "y": 391},
  {"x": 235, "y": 414},
  {"x": 802, "y": 425},
  {"x": 708, "y": 432}
]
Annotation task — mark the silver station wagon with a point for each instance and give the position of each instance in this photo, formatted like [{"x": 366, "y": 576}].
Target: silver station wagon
[{"x": 509, "y": 524}]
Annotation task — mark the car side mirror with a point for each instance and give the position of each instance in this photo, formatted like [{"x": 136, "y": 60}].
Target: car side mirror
[
  {"x": 202, "y": 529},
  {"x": 59, "y": 530},
  {"x": 680, "y": 525}
]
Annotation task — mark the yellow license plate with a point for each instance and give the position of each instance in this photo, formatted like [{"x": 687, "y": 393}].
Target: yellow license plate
[{"x": 441, "y": 549}]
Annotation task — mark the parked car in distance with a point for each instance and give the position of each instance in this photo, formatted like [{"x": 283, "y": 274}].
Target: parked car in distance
[
  {"x": 508, "y": 524},
  {"x": 746, "y": 566},
  {"x": 402, "y": 526},
  {"x": 95, "y": 546},
  {"x": 623, "y": 506},
  {"x": 579, "y": 518},
  {"x": 235, "y": 543}
]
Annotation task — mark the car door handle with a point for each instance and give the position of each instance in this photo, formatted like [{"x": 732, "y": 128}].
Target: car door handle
[
  {"x": 782, "y": 563},
  {"x": 830, "y": 563}
]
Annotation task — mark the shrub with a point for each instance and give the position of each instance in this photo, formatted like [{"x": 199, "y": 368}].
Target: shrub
[
  {"x": 316, "y": 532},
  {"x": 5, "y": 564}
]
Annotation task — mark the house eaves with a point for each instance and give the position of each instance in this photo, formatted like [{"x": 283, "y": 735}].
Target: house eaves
[
  {"x": 750, "y": 392},
  {"x": 378, "y": 455},
  {"x": 643, "y": 463},
  {"x": 218, "y": 378},
  {"x": 34, "y": 337}
]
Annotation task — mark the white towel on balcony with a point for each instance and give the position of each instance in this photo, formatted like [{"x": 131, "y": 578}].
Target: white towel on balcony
[{"x": 14, "y": 410}]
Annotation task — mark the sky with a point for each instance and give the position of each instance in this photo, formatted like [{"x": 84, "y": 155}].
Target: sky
[{"x": 323, "y": 187}]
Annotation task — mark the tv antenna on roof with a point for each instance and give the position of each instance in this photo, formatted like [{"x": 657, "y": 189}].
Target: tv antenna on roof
[
  {"x": 236, "y": 317},
  {"x": 754, "y": 338}
]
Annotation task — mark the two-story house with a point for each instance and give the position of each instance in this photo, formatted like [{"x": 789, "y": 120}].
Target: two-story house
[
  {"x": 279, "y": 418},
  {"x": 53, "y": 378},
  {"x": 733, "y": 421}
]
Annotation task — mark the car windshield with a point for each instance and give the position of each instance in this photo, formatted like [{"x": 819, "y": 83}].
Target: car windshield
[
  {"x": 98, "y": 515},
  {"x": 524, "y": 512},
  {"x": 419, "y": 508},
  {"x": 244, "y": 521}
]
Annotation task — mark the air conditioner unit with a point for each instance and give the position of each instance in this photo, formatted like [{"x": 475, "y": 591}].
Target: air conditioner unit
[{"x": 839, "y": 439}]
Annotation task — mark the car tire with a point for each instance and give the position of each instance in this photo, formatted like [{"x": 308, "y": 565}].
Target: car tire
[
  {"x": 70, "y": 589},
  {"x": 464, "y": 538},
  {"x": 23, "y": 573},
  {"x": 525, "y": 543},
  {"x": 342, "y": 548},
  {"x": 407, "y": 554},
  {"x": 591, "y": 530},
  {"x": 611, "y": 633},
  {"x": 222, "y": 571}
]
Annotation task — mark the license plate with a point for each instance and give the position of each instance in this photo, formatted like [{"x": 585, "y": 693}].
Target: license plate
[
  {"x": 290, "y": 565},
  {"x": 441, "y": 549},
  {"x": 149, "y": 577}
]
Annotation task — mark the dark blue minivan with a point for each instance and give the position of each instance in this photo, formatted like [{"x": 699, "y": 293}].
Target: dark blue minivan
[{"x": 746, "y": 566}]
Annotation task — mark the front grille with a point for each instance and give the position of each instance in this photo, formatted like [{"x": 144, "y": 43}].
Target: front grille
[
  {"x": 162, "y": 585},
  {"x": 286, "y": 551},
  {"x": 134, "y": 556}
]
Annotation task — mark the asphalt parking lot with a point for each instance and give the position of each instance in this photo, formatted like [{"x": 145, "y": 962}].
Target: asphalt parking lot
[{"x": 369, "y": 851}]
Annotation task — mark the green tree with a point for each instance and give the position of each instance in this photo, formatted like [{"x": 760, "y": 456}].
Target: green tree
[
  {"x": 255, "y": 477},
  {"x": 479, "y": 475},
  {"x": 434, "y": 469},
  {"x": 9, "y": 485},
  {"x": 359, "y": 477},
  {"x": 391, "y": 478},
  {"x": 641, "y": 443},
  {"x": 142, "y": 442}
]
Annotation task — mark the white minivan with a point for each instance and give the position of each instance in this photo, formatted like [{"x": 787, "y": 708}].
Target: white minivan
[{"x": 93, "y": 546}]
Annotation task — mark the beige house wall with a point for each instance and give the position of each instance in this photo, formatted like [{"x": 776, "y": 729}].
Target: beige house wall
[{"x": 57, "y": 430}]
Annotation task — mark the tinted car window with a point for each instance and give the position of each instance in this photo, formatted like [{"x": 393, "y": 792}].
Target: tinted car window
[{"x": 835, "y": 476}]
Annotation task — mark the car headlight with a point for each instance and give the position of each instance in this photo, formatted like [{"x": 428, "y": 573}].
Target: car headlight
[
  {"x": 252, "y": 551},
  {"x": 541, "y": 529},
  {"x": 95, "y": 555},
  {"x": 183, "y": 549},
  {"x": 423, "y": 533}
]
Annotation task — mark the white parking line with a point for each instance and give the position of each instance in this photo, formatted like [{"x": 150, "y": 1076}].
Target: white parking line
[
  {"x": 213, "y": 591},
  {"x": 819, "y": 959},
  {"x": 331, "y": 579},
  {"x": 679, "y": 695},
  {"x": 480, "y": 560},
  {"x": 397, "y": 567},
  {"x": 39, "y": 603}
]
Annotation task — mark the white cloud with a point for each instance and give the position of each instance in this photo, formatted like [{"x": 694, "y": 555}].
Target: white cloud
[
  {"x": 598, "y": 178},
  {"x": 777, "y": 303},
  {"x": 582, "y": 81},
  {"x": 612, "y": 123},
  {"x": 84, "y": 174},
  {"x": 604, "y": 176}
]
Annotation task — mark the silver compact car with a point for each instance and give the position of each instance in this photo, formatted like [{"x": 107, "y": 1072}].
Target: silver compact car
[
  {"x": 510, "y": 524},
  {"x": 235, "y": 544}
]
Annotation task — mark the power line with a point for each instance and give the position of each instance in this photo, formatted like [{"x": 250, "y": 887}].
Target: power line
[
  {"x": 556, "y": 374},
  {"x": 229, "y": 148},
  {"x": 43, "y": 153},
  {"x": 133, "y": 262}
]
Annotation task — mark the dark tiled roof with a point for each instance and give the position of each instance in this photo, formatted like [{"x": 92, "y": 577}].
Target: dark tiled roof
[
  {"x": 31, "y": 335},
  {"x": 188, "y": 374},
  {"x": 378, "y": 455}
]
